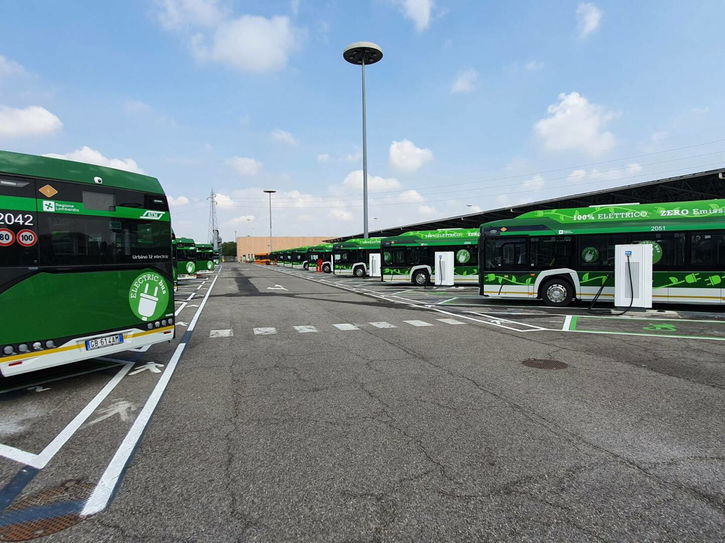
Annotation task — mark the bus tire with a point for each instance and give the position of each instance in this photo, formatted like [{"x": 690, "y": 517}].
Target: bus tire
[
  {"x": 359, "y": 271},
  {"x": 421, "y": 278},
  {"x": 326, "y": 267},
  {"x": 557, "y": 292}
]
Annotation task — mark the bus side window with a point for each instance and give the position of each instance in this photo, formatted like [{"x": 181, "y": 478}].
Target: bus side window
[{"x": 707, "y": 250}]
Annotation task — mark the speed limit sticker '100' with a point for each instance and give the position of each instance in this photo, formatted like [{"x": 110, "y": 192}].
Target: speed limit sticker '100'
[
  {"x": 7, "y": 237},
  {"x": 27, "y": 238}
]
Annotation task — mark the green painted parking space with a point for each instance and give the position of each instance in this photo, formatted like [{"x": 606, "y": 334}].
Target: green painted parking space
[{"x": 672, "y": 328}]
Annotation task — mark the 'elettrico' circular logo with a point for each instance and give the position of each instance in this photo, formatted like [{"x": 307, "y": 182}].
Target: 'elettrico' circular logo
[{"x": 148, "y": 296}]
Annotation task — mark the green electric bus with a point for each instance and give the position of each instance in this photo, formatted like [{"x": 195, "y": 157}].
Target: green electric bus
[
  {"x": 322, "y": 254},
  {"x": 85, "y": 262},
  {"x": 412, "y": 256},
  {"x": 184, "y": 253},
  {"x": 559, "y": 255},
  {"x": 204, "y": 258},
  {"x": 352, "y": 257},
  {"x": 298, "y": 258}
]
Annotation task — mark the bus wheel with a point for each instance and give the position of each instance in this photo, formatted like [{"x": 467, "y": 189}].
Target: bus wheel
[
  {"x": 359, "y": 271},
  {"x": 326, "y": 268},
  {"x": 421, "y": 278},
  {"x": 557, "y": 292}
]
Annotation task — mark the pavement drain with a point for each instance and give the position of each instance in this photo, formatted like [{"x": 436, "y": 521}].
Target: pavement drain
[
  {"x": 544, "y": 364},
  {"x": 44, "y": 513}
]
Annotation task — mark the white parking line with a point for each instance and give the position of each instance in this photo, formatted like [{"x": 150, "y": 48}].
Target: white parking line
[
  {"x": 418, "y": 323},
  {"x": 450, "y": 321},
  {"x": 383, "y": 324},
  {"x": 180, "y": 309},
  {"x": 265, "y": 331},
  {"x": 346, "y": 326},
  {"x": 305, "y": 329},
  {"x": 221, "y": 333}
]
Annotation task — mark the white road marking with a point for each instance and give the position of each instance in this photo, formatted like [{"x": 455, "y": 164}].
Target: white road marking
[
  {"x": 142, "y": 349},
  {"x": 151, "y": 367},
  {"x": 106, "y": 486},
  {"x": 122, "y": 408},
  {"x": 383, "y": 324},
  {"x": 450, "y": 321},
  {"x": 221, "y": 333},
  {"x": 567, "y": 323},
  {"x": 346, "y": 326},
  {"x": 182, "y": 323},
  {"x": 190, "y": 297},
  {"x": 38, "y": 389},
  {"x": 305, "y": 329},
  {"x": 41, "y": 460},
  {"x": 265, "y": 331},
  {"x": 418, "y": 323},
  {"x": 276, "y": 287},
  {"x": 181, "y": 307}
]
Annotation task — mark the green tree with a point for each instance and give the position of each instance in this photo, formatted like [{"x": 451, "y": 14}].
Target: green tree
[{"x": 229, "y": 248}]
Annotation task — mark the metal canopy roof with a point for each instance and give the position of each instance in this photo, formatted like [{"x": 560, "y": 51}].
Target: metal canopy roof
[{"x": 695, "y": 186}]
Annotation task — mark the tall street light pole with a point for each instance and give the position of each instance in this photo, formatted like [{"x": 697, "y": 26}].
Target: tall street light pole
[
  {"x": 270, "y": 192},
  {"x": 363, "y": 53}
]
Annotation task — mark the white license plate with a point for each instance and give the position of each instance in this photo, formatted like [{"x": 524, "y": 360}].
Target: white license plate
[{"x": 105, "y": 341}]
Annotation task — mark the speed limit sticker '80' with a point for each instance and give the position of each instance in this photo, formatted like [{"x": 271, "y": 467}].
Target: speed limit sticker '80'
[{"x": 7, "y": 237}]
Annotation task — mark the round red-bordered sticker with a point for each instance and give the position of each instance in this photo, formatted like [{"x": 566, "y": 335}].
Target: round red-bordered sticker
[
  {"x": 27, "y": 238},
  {"x": 7, "y": 237}
]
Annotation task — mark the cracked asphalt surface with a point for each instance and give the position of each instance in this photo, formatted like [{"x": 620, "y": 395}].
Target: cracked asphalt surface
[{"x": 420, "y": 433}]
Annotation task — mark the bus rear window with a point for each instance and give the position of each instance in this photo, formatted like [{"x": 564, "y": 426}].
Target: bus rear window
[{"x": 99, "y": 201}]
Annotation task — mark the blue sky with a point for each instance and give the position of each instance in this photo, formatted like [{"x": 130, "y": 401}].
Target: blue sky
[{"x": 476, "y": 104}]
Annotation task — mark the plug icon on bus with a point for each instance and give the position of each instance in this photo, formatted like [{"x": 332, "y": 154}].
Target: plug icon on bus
[{"x": 148, "y": 302}]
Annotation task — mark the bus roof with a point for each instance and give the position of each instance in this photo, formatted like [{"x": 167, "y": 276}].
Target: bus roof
[
  {"x": 184, "y": 241},
  {"x": 78, "y": 172},
  {"x": 205, "y": 245},
  {"x": 358, "y": 243},
  {"x": 320, "y": 247},
  {"x": 422, "y": 238},
  {"x": 692, "y": 215}
]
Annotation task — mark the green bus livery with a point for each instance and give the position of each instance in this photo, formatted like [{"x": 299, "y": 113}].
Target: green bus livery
[
  {"x": 85, "y": 262},
  {"x": 298, "y": 258},
  {"x": 411, "y": 256},
  {"x": 562, "y": 254},
  {"x": 204, "y": 258},
  {"x": 352, "y": 257},
  {"x": 184, "y": 251},
  {"x": 319, "y": 254}
]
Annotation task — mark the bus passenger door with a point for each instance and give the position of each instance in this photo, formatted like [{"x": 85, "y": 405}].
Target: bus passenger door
[
  {"x": 374, "y": 264},
  {"x": 444, "y": 268}
]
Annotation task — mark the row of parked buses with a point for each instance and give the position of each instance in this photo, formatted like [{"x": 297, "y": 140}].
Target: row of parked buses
[
  {"x": 87, "y": 262},
  {"x": 192, "y": 259},
  {"x": 556, "y": 255}
]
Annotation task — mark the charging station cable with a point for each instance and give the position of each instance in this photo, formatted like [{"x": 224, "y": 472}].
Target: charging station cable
[{"x": 631, "y": 289}]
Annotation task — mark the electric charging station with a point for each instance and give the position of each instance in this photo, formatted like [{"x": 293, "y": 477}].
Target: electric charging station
[
  {"x": 374, "y": 264},
  {"x": 633, "y": 275},
  {"x": 444, "y": 268}
]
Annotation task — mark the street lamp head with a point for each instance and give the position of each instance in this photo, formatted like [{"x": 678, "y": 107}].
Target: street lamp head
[
  {"x": 362, "y": 52},
  {"x": 269, "y": 191}
]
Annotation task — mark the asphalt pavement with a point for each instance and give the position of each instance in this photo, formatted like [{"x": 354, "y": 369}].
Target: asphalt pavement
[{"x": 301, "y": 411}]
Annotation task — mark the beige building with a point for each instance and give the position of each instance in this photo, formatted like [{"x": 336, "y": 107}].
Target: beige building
[{"x": 248, "y": 246}]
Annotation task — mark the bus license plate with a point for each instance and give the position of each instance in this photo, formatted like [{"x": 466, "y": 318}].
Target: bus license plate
[{"x": 105, "y": 341}]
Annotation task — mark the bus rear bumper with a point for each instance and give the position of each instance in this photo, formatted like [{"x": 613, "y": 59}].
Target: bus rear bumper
[{"x": 75, "y": 350}]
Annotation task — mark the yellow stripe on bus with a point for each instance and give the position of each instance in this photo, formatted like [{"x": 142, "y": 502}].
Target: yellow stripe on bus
[{"x": 72, "y": 347}]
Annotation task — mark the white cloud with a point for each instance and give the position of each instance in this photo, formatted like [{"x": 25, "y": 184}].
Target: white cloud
[
  {"x": 465, "y": 82},
  {"x": 589, "y": 17},
  {"x": 29, "y": 121},
  {"x": 224, "y": 201},
  {"x": 175, "y": 14},
  {"x": 245, "y": 166},
  {"x": 9, "y": 67},
  {"x": 354, "y": 180},
  {"x": 575, "y": 124},
  {"x": 341, "y": 214},
  {"x": 136, "y": 107},
  {"x": 406, "y": 157},
  {"x": 418, "y": 11},
  {"x": 426, "y": 210},
  {"x": 534, "y": 183},
  {"x": 249, "y": 43},
  {"x": 323, "y": 158},
  {"x": 177, "y": 202},
  {"x": 91, "y": 156},
  {"x": 243, "y": 219},
  {"x": 613, "y": 174},
  {"x": 282, "y": 136},
  {"x": 410, "y": 196},
  {"x": 533, "y": 66}
]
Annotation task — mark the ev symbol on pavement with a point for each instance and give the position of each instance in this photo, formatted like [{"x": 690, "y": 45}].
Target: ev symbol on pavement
[{"x": 662, "y": 327}]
